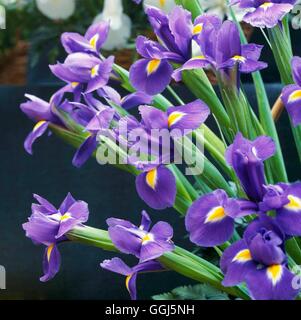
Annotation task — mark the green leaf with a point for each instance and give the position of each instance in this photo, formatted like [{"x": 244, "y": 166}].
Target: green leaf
[{"x": 196, "y": 292}]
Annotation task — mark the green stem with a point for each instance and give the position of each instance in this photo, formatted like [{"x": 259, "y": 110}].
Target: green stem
[{"x": 180, "y": 260}]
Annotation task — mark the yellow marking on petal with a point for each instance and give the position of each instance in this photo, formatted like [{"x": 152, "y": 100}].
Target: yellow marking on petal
[
  {"x": 39, "y": 125},
  {"x": 162, "y": 3},
  {"x": 49, "y": 251},
  {"x": 296, "y": 95},
  {"x": 93, "y": 41},
  {"x": 266, "y": 5},
  {"x": 198, "y": 58},
  {"x": 151, "y": 178},
  {"x": 294, "y": 204},
  {"x": 197, "y": 29},
  {"x": 215, "y": 215},
  {"x": 274, "y": 273},
  {"x": 66, "y": 216},
  {"x": 175, "y": 117},
  {"x": 127, "y": 282},
  {"x": 74, "y": 84},
  {"x": 153, "y": 66},
  {"x": 243, "y": 256},
  {"x": 239, "y": 58},
  {"x": 94, "y": 71},
  {"x": 147, "y": 238}
]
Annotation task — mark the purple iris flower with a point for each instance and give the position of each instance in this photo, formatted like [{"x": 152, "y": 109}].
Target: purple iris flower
[
  {"x": 264, "y": 13},
  {"x": 259, "y": 260},
  {"x": 230, "y": 51},
  {"x": 144, "y": 242},
  {"x": 91, "y": 42},
  {"x": 84, "y": 69},
  {"x": 48, "y": 226},
  {"x": 291, "y": 95},
  {"x": 247, "y": 159},
  {"x": 221, "y": 48},
  {"x": 152, "y": 74},
  {"x": 210, "y": 219},
  {"x": 156, "y": 185},
  {"x": 286, "y": 200},
  {"x": 118, "y": 266},
  {"x": 43, "y": 113},
  {"x": 94, "y": 117}
]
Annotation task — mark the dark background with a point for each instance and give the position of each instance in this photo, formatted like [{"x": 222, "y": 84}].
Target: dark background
[{"x": 108, "y": 191}]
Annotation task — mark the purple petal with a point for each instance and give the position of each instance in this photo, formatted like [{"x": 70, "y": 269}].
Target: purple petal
[
  {"x": 37, "y": 132},
  {"x": 207, "y": 222},
  {"x": 289, "y": 216},
  {"x": 236, "y": 263},
  {"x": 146, "y": 221},
  {"x": 116, "y": 265},
  {"x": 67, "y": 203},
  {"x": 155, "y": 249},
  {"x": 153, "y": 118},
  {"x": 152, "y": 83},
  {"x": 188, "y": 117},
  {"x": 268, "y": 17},
  {"x": 291, "y": 97},
  {"x": 85, "y": 151},
  {"x": 125, "y": 240},
  {"x": 272, "y": 283},
  {"x": 296, "y": 66},
  {"x": 158, "y": 188},
  {"x": 51, "y": 263}
]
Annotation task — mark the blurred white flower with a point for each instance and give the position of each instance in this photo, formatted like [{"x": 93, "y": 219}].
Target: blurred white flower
[
  {"x": 2, "y": 17},
  {"x": 120, "y": 24},
  {"x": 56, "y": 9},
  {"x": 165, "y": 5},
  {"x": 221, "y": 9}
]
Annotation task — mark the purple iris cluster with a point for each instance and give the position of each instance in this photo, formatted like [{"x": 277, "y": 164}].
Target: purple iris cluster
[
  {"x": 259, "y": 259},
  {"x": 87, "y": 106},
  {"x": 144, "y": 242},
  {"x": 189, "y": 45}
]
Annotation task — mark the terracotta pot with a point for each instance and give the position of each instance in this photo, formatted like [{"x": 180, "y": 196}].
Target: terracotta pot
[{"x": 13, "y": 65}]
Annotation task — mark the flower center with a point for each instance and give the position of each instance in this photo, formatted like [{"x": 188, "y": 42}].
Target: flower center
[
  {"x": 162, "y": 3},
  {"x": 94, "y": 71},
  {"x": 151, "y": 178},
  {"x": 239, "y": 58},
  {"x": 175, "y": 117},
  {"x": 215, "y": 215},
  {"x": 153, "y": 66},
  {"x": 197, "y": 29},
  {"x": 266, "y": 5},
  {"x": 275, "y": 273},
  {"x": 93, "y": 41},
  {"x": 294, "y": 204},
  {"x": 147, "y": 238},
  {"x": 296, "y": 95},
  {"x": 243, "y": 256},
  {"x": 39, "y": 125}
]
